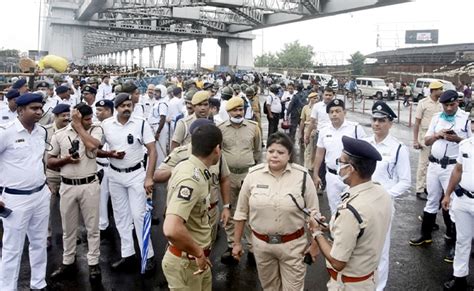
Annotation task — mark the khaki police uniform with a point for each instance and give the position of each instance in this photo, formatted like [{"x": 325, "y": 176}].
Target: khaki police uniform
[
  {"x": 277, "y": 224},
  {"x": 309, "y": 149},
  {"x": 242, "y": 148},
  {"x": 425, "y": 110},
  {"x": 181, "y": 133},
  {"x": 80, "y": 192},
  {"x": 217, "y": 171},
  {"x": 255, "y": 103},
  {"x": 360, "y": 251},
  {"x": 189, "y": 198},
  {"x": 53, "y": 179}
]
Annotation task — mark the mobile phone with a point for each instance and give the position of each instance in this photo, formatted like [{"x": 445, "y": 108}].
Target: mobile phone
[
  {"x": 5, "y": 212},
  {"x": 450, "y": 132}
]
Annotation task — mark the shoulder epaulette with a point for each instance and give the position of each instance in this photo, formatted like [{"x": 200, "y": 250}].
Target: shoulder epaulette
[
  {"x": 256, "y": 167},
  {"x": 252, "y": 122},
  {"x": 298, "y": 167}
]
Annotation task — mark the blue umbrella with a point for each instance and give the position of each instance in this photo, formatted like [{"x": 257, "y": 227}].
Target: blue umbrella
[{"x": 146, "y": 233}]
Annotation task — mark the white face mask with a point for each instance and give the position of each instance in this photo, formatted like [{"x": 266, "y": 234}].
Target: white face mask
[
  {"x": 237, "y": 120},
  {"x": 338, "y": 171}
]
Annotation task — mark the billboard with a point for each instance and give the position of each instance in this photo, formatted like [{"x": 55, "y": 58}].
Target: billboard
[{"x": 421, "y": 36}]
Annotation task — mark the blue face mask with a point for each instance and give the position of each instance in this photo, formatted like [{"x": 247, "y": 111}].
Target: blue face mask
[{"x": 448, "y": 118}]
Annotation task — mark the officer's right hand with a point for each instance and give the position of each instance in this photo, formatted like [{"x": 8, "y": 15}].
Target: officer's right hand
[
  {"x": 70, "y": 160},
  {"x": 445, "y": 202},
  {"x": 203, "y": 263},
  {"x": 237, "y": 251},
  {"x": 117, "y": 155}
]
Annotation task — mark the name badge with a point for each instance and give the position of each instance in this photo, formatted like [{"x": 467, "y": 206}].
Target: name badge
[
  {"x": 465, "y": 155},
  {"x": 19, "y": 140},
  {"x": 5, "y": 117},
  {"x": 262, "y": 186}
]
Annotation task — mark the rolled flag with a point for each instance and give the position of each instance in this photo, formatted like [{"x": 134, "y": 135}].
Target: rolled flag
[{"x": 146, "y": 233}]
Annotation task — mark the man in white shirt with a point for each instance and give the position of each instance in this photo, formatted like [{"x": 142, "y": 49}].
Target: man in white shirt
[
  {"x": 274, "y": 109},
  {"x": 63, "y": 93},
  {"x": 148, "y": 99},
  {"x": 105, "y": 89},
  {"x": 8, "y": 111}
]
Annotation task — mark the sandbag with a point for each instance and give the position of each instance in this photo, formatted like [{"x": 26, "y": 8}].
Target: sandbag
[
  {"x": 25, "y": 64},
  {"x": 59, "y": 64}
]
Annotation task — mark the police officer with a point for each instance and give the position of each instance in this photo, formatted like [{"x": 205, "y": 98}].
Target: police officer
[
  {"x": 22, "y": 146},
  {"x": 329, "y": 148},
  {"x": 8, "y": 112},
  {"x": 129, "y": 182},
  {"x": 200, "y": 103},
  {"x": 391, "y": 172},
  {"x": 305, "y": 121},
  {"x": 88, "y": 96},
  {"x": 185, "y": 264},
  {"x": 462, "y": 184},
  {"x": 63, "y": 93},
  {"x": 425, "y": 110},
  {"x": 74, "y": 151},
  {"x": 226, "y": 94},
  {"x": 158, "y": 119},
  {"x": 220, "y": 182},
  {"x": 21, "y": 85},
  {"x": 358, "y": 228},
  {"x": 446, "y": 130},
  {"x": 50, "y": 102},
  {"x": 242, "y": 149},
  {"x": 269, "y": 200},
  {"x": 274, "y": 109}
]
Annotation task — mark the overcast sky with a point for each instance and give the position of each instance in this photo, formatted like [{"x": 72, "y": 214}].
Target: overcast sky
[{"x": 333, "y": 38}]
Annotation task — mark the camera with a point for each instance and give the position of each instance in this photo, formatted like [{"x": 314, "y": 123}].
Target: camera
[
  {"x": 74, "y": 150},
  {"x": 130, "y": 138}
]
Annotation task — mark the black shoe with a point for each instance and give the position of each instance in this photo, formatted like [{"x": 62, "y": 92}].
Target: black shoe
[
  {"x": 251, "y": 259},
  {"x": 435, "y": 225},
  {"x": 449, "y": 258},
  {"x": 422, "y": 196},
  {"x": 420, "y": 241},
  {"x": 64, "y": 272},
  {"x": 106, "y": 234},
  {"x": 125, "y": 264},
  {"x": 228, "y": 259},
  {"x": 150, "y": 265},
  {"x": 456, "y": 284},
  {"x": 95, "y": 273}
]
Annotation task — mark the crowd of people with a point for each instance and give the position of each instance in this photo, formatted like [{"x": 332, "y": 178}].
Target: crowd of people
[{"x": 85, "y": 141}]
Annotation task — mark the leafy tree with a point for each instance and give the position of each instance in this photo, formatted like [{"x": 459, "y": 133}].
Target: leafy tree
[
  {"x": 295, "y": 55},
  {"x": 266, "y": 60},
  {"x": 9, "y": 53},
  {"x": 357, "y": 63}
]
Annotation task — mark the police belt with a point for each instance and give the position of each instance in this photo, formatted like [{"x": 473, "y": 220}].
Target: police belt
[
  {"x": 238, "y": 170},
  {"x": 127, "y": 170},
  {"x": 347, "y": 279},
  {"x": 177, "y": 252},
  {"x": 278, "y": 239},
  {"x": 443, "y": 162},
  {"x": 332, "y": 171},
  {"x": 105, "y": 165},
  {"x": 24, "y": 192},
  {"x": 461, "y": 191},
  {"x": 77, "y": 182}
]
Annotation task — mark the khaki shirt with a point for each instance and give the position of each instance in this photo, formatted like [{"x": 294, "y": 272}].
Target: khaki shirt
[
  {"x": 217, "y": 171},
  {"x": 188, "y": 197},
  {"x": 256, "y": 110},
  {"x": 306, "y": 116},
  {"x": 60, "y": 147},
  {"x": 50, "y": 129},
  {"x": 242, "y": 146},
  {"x": 425, "y": 110},
  {"x": 361, "y": 255},
  {"x": 265, "y": 203},
  {"x": 181, "y": 133}
]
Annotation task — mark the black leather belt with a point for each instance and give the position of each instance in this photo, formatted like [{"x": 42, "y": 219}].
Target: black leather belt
[
  {"x": 127, "y": 170},
  {"x": 23, "y": 192},
  {"x": 81, "y": 181},
  {"x": 461, "y": 191},
  {"x": 238, "y": 170},
  {"x": 1, "y": 190},
  {"x": 443, "y": 162},
  {"x": 332, "y": 171},
  {"x": 105, "y": 165}
]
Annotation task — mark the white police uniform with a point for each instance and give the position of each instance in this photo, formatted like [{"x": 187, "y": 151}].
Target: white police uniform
[
  {"x": 126, "y": 178},
  {"x": 48, "y": 107},
  {"x": 6, "y": 115},
  {"x": 162, "y": 145},
  {"x": 318, "y": 112},
  {"x": 103, "y": 165},
  {"x": 330, "y": 139},
  {"x": 28, "y": 197}
]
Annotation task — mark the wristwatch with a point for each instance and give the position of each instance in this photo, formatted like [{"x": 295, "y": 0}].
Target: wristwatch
[{"x": 228, "y": 206}]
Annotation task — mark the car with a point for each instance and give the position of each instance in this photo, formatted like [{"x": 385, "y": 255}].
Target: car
[
  {"x": 372, "y": 87},
  {"x": 420, "y": 83},
  {"x": 322, "y": 79}
]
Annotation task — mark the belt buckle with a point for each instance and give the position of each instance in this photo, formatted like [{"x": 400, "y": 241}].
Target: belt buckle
[{"x": 274, "y": 239}]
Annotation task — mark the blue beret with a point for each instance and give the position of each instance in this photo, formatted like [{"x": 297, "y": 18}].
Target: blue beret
[
  {"x": 13, "y": 93},
  {"x": 42, "y": 85},
  {"x": 335, "y": 102},
  {"x": 18, "y": 84},
  {"x": 380, "y": 109},
  {"x": 361, "y": 149},
  {"x": 61, "y": 108},
  {"x": 89, "y": 89},
  {"x": 120, "y": 98},
  {"x": 198, "y": 123},
  {"x": 61, "y": 89},
  {"x": 28, "y": 98},
  {"x": 105, "y": 103},
  {"x": 448, "y": 96}
]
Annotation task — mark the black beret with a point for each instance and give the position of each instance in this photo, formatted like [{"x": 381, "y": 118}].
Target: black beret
[
  {"x": 199, "y": 122},
  {"x": 28, "y": 98},
  {"x": 42, "y": 84},
  {"x": 61, "y": 89},
  {"x": 120, "y": 98},
  {"x": 214, "y": 102},
  {"x": 13, "y": 93},
  {"x": 361, "y": 149},
  {"x": 105, "y": 103},
  {"x": 380, "y": 109},
  {"x": 18, "y": 84},
  {"x": 129, "y": 87},
  {"x": 448, "y": 96},
  {"x": 335, "y": 102},
  {"x": 61, "y": 108},
  {"x": 89, "y": 89}
]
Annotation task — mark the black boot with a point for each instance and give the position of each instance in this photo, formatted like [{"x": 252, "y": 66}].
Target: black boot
[
  {"x": 456, "y": 284},
  {"x": 426, "y": 229},
  {"x": 450, "y": 235},
  {"x": 64, "y": 272},
  {"x": 95, "y": 273},
  {"x": 127, "y": 264}
]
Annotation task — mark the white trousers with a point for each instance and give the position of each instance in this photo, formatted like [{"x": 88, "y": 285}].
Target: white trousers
[
  {"x": 437, "y": 180},
  {"x": 334, "y": 189},
  {"x": 129, "y": 206},
  {"x": 383, "y": 267},
  {"x": 463, "y": 210},
  {"x": 30, "y": 218},
  {"x": 104, "y": 199},
  {"x": 162, "y": 144}
]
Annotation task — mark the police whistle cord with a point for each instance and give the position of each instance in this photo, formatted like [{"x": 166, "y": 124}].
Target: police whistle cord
[{"x": 306, "y": 211}]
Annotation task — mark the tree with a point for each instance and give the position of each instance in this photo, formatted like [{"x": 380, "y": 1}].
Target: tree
[
  {"x": 266, "y": 60},
  {"x": 295, "y": 55},
  {"x": 9, "y": 53},
  {"x": 357, "y": 62}
]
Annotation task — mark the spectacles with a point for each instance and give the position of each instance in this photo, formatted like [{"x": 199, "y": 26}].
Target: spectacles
[{"x": 339, "y": 162}]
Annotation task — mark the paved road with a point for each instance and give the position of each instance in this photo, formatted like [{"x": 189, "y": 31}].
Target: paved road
[{"x": 411, "y": 268}]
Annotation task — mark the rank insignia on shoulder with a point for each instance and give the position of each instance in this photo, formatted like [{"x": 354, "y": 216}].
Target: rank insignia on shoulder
[
  {"x": 196, "y": 175},
  {"x": 207, "y": 174},
  {"x": 345, "y": 196},
  {"x": 185, "y": 192},
  {"x": 166, "y": 159}
]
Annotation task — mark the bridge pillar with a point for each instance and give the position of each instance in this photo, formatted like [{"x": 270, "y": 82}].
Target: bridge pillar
[
  {"x": 236, "y": 52},
  {"x": 151, "y": 57},
  {"x": 126, "y": 58},
  {"x": 179, "y": 45},
  {"x": 199, "y": 53},
  {"x": 140, "y": 57},
  {"x": 162, "y": 56}
]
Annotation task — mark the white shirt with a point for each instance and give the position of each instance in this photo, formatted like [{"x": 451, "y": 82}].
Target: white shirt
[
  {"x": 318, "y": 112},
  {"x": 21, "y": 156},
  {"x": 71, "y": 101},
  {"x": 274, "y": 102},
  {"x": 330, "y": 139},
  {"x": 159, "y": 109},
  {"x": 104, "y": 92},
  {"x": 466, "y": 159},
  {"x": 139, "y": 111},
  {"x": 286, "y": 98},
  {"x": 442, "y": 147},
  {"x": 249, "y": 111},
  {"x": 77, "y": 93},
  {"x": 148, "y": 103},
  {"x": 115, "y": 134},
  {"x": 175, "y": 107},
  {"x": 6, "y": 115},
  {"x": 392, "y": 172}
]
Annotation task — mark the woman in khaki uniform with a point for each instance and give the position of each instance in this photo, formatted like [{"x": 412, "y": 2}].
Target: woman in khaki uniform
[
  {"x": 266, "y": 201},
  {"x": 304, "y": 127}
]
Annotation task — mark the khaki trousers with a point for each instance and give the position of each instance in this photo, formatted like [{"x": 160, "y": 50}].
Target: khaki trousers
[
  {"x": 179, "y": 274},
  {"x": 367, "y": 285},
  {"x": 53, "y": 183},
  {"x": 423, "y": 162},
  {"x": 85, "y": 199},
  {"x": 280, "y": 266},
  {"x": 214, "y": 221}
]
